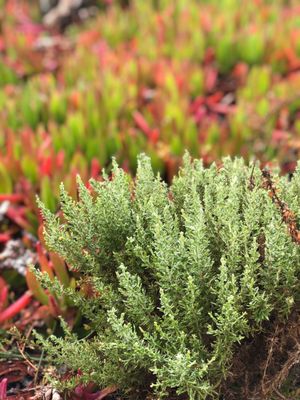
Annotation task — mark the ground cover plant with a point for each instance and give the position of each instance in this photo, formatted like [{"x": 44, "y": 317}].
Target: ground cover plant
[
  {"x": 161, "y": 77},
  {"x": 182, "y": 279},
  {"x": 214, "y": 77}
]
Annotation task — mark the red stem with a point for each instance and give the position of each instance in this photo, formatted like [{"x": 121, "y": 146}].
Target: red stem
[
  {"x": 46, "y": 265},
  {"x": 3, "y": 389},
  {"x": 17, "y": 217},
  {"x": 11, "y": 197},
  {"x": 54, "y": 307},
  {"x": 16, "y": 307},
  {"x": 3, "y": 297},
  {"x": 4, "y": 237}
]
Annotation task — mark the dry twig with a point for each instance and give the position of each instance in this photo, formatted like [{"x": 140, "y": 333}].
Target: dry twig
[{"x": 288, "y": 217}]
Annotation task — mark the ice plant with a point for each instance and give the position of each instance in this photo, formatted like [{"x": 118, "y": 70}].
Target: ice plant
[
  {"x": 87, "y": 392},
  {"x": 3, "y": 389},
  {"x": 173, "y": 77},
  {"x": 16, "y": 307},
  {"x": 3, "y": 294},
  {"x": 54, "y": 267}
]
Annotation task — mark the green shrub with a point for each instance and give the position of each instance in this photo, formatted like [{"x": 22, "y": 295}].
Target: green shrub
[{"x": 180, "y": 276}]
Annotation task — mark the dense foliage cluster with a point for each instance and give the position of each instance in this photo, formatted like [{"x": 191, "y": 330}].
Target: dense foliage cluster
[{"x": 175, "y": 277}]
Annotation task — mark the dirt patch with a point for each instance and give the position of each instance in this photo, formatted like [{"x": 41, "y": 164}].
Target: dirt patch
[{"x": 268, "y": 365}]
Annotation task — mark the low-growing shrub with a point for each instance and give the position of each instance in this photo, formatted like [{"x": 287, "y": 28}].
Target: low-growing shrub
[{"x": 179, "y": 277}]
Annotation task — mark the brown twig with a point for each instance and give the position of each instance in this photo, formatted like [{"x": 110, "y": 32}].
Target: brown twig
[
  {"x": 280, "y": 395},
  {"x": 38, "y": 368},
  {"x": 268, "y": 360},
  {"x": 293, "y": 359},
  {"x": 251, "y": 178},
  {"x": 288, "y": 217},
  {"x": 25, "y": 357}
]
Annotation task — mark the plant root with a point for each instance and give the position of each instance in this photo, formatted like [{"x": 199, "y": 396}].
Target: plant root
[{"x": 265, "y": 364}]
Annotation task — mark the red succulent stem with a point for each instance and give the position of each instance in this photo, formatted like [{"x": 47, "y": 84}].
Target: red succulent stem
[
  {"x": 11, "y": 197},
  {"x": 54, "y": 307},
  {"x": 142, "y": 124},
  {"x": 3, "y": 297},
  {"x": 16, "y": 307},
  {"x": 95, "y": 168},
  {"x": 85, "y": 392},
  {"x": 17, "y": 217},
  {"x": 46, "y": 265},
  {"x": 4, "y": 237},
  {"x": 3, "y": 389}
]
